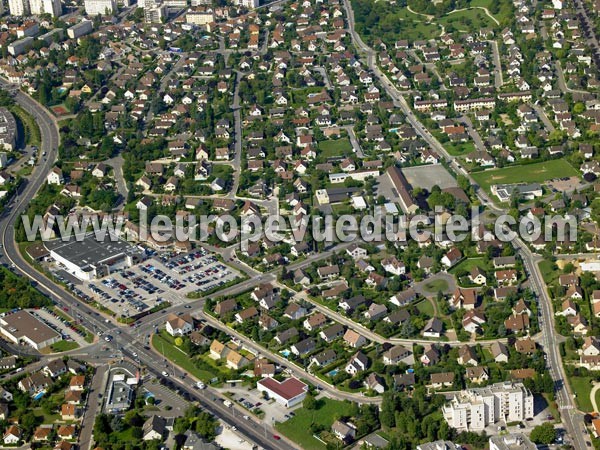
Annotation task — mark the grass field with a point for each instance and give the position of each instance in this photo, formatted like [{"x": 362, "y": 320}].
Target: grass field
[
  {"x": 504, "y": 10},
  {"x": 415, "y": 30},
  {"x": 582, "y": 387},
  {"x": 436, "y": 285},
  {"x": 548, "y": 273},
  {"x": 425, "y": 307},
  {"x": 528, "y": 173},
  {"x": 467, "y": 20},
  {"x": 64, "y": 346},
  {"x": 175, "y": 355},
  {"x": 27, "y": 127},
  {"x": 460, "y": 148},
  {"x": 468, "y": 265},
  {"x": 335, "y": 147},
  {"x": 298, "y": 427}
]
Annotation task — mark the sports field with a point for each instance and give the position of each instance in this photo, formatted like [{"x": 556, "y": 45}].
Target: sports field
[{"x": 528, "y": 173}]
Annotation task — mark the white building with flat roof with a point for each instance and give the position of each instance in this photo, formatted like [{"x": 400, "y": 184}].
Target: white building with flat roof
[
  {"x": 474, "y": 409},
  {"x": 88, "y": 258},
  {"x": 513, "y": 441}
]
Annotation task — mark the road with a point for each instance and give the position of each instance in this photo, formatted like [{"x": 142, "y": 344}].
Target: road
[
  {"x": 472, "y": 132},
  {"x": 543, "y": 117},
  {"x": 91, "y": 407},
  {"x": 89, "y": 318},
  {"x": 572, "y": 419},
  {"x": 498, "y": 81},
  {"x": 237, "y": 145},
  {"x": 117, "y": 164},
  {"x": 562, "y": 83},
  {"x": 587, "y": 26}
]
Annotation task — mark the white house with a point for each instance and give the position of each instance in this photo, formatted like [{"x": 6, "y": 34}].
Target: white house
[
  {"x": 179, "y": 325},
  {"x": 55, "y": 176},
  {"x": 288, "y": 393}
]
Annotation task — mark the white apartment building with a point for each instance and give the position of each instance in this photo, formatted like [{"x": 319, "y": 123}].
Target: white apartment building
[
  {"x": 250, "y": 4},
  {"x": 35, "y": 7},
  {"x": 102, "y": 7},
  {"x": 474, "y": 409},
  {"x": 155, "y": 14},
  {"x": 52, "y": 7},
  {"x": 18, "y": 7},
  {"x": 474, "y": 104},
  {"x": 199, "y": 17}
]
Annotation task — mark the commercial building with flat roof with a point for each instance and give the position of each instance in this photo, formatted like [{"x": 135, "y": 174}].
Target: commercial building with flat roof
[
  {"x": 119, "y": 393},
  {"x": 89, "y": 258},
  {"x": 513, "y": 441},
  {"x": 288, "y": 393},
  {"x": 22, "y": 326}
]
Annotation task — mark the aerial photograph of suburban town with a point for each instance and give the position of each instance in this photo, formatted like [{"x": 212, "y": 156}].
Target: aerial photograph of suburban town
[{"x": 300, "y": 224}]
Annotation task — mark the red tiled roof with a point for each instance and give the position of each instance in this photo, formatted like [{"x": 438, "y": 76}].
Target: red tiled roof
[{"x": 288, "y": 389}]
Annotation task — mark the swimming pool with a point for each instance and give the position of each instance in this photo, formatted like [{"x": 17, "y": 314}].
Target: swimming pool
[
  {"x": 285, "y": 353},
  {"x": 39, "y": 395},
  {"x": 333, "y": 373}
]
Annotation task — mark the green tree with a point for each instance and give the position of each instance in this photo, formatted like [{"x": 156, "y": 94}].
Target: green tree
[
  {"x": 388, "y": 408},
  {"x": 543, "y": 434},
  {"x": 309, "y": 402}
]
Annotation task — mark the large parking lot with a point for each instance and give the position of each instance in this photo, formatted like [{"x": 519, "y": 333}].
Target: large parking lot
[
  {"x": 167, "y": 277},
  {"x": 61, "y": 325}
]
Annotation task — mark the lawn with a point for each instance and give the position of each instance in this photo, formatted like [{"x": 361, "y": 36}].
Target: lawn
[
  {"x": 179, "y": 358},
  {"x": 436, "y": 285},
  {"x": 425, "y": 307},
  {"x": 504, "y": 8},
  {"x": 527, "y": 173},
  {"x": 64, "y": 346},
  {"x": 467, "y": 20},
  {"x": 27, "y": 127},
  {"x": 335, "y": 147},
  {"x": 419, "y": 30},
  {"x": 468, "y": 265},
  {"x": 460, "y": 148},
  {"x": 298, "y": 427},
  {"x": 548, "y": 273},
  {"x": 582, "y": 387}
]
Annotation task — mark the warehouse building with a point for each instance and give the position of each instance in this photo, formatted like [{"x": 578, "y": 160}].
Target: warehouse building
[
  {"x": 22, "y": 327},
  {"x": 88, "y": 258}
]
